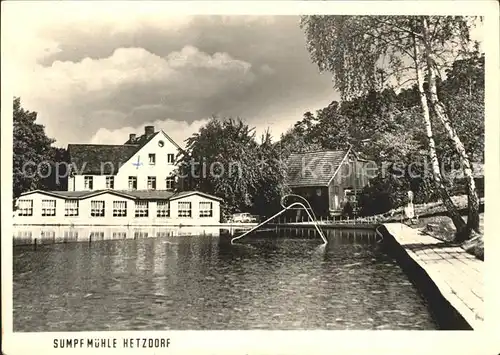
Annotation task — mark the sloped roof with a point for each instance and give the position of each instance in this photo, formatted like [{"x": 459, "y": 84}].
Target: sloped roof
[
  {"x": 133, "y": 194},
  {"x": 183, "y": 194},
  {"x": 59, "y": 194},
  {"x": 313, "y": 168},
  {"x": 99, "y": 159},
  {"x": 143, "y": 139},
  {"x": 86, "y": 159},
  {"x": 148, "y": 194}
]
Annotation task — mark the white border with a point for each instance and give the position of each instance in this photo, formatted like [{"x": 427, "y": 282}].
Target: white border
[{"x": 280, "y": 342}]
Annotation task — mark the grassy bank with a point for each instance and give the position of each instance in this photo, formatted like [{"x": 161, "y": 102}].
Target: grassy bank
[{"x": 433, "y": 220}]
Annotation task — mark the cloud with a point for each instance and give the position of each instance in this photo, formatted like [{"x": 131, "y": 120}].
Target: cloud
[
  {"x": 128, "y": 67},
  {"x": 86, "y": 72},
  {"x": 179, "y": 131},
  {"x": 133, "y": 86}
]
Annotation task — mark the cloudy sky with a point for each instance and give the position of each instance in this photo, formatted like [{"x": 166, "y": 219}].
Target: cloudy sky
[{"x": 96, "y": 76}]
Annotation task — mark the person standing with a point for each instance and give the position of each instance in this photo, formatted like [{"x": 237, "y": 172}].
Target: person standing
[{"x": 410, "y": 209}]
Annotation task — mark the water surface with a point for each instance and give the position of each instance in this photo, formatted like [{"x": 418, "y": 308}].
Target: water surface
[{"x": 204, "y": 282}]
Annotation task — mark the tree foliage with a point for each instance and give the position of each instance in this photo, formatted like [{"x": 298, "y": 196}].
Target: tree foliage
[
  {"x": 384, "y": 127},
  {"x": 364, "y": 53},
  {"x": 225, "y": 159},
  {"x": 32, "y": 151}
]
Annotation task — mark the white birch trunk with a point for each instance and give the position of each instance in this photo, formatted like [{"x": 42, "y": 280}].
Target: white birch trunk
[
  {"x": 439, "y": 109},
  {"x": 438, "y": 179}
]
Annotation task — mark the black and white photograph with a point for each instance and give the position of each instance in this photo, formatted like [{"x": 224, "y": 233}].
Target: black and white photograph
[{"x": 177, "y": 169}]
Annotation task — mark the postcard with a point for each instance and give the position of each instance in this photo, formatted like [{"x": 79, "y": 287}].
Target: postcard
[{"x": 250, "y": 177}]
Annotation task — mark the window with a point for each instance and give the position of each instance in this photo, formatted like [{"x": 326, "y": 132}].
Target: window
[
  {"x": 96, "y": 235},
  {"x": 110, "y": 182},
  {"x": 88, "y": 182},
  {"x": 70, "y": 236},
  {"x": 119, "y": 235},
  {"x": 48, "y": 207},
  {"x": 161, "y": 144},
  {"x": 170, "y": 158},
  {"x": 25, "y": 207},
  {"x": 170, "y": 182},
  {"x": 164, "y": 234},
  {"x": 119, "y": 208},
  {"x": 152, "y": 159},
  {"x": 71, "y": 208},
  {"x": 163, "y": 209},
  {"x": 184, "y": 209},
  {"x": 132, "y": 182},
  {"x": 48, "y": 234},
  {"x": 140, "y": 234},
  {"x": 141, "y": 209},
  {"x": 25, "y": 234},
  {"x": 97, "y": 208},
  {"x": 206, "y": 209},
  {"x": 152, "y": 182}
]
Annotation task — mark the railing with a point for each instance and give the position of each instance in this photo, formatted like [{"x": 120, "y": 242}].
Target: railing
[
  {"x": 331, "y": 220},
  {"x": 286, "y": 208}
]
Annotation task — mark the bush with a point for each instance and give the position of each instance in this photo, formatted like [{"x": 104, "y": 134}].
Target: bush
[{"x": 388, "y": 192}]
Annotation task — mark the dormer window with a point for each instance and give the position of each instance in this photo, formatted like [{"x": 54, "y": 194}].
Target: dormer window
[{"x": 152, "y": 159}]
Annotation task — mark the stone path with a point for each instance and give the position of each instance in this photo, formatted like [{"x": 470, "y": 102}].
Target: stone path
[{"x": 457, "y": 274}]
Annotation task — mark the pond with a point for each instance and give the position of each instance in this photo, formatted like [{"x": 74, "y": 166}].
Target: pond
[{"x": 274, "y": 280}]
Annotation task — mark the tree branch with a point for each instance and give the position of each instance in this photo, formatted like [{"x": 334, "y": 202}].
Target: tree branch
[
  {"x": 380, "y": 38},
  {"x": 400, "y": 85},
  {"x": 433, "y": 35},
  {"x": 401, "y": 29}
]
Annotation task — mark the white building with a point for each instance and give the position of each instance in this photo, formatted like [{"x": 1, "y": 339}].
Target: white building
[
  {"x": 142, "y": 163},
  {"x": 129, "y": 184},
  {"x": 112, "y": 207}
]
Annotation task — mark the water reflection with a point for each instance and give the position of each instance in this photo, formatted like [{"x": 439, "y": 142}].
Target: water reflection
[
  {"x": 25, "y": 235},
  {"x": 201, "y": 282}
]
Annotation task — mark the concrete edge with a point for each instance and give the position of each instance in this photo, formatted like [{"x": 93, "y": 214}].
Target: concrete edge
[{"x": 436, "y": 279}]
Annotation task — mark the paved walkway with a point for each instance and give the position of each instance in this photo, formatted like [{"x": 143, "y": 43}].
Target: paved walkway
[{"x": 457, "y": 274}]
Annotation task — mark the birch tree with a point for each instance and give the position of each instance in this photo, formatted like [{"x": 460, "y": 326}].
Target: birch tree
[{"x": 372, "y": 52}]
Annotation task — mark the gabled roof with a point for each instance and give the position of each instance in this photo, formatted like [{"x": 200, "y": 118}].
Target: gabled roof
[
  {"x": 106, "y": 159},
  {"x": 314, "y": 168},
  {"x": 58, "y": 194},
  {"x": 75, "y": 195},
  {"x": 148, "y": 194},
  {"x": 183, "y": 194},
  {"x": 133, "y": 194},
  {"x": 143, "y": 139},
  {"x": 99, "y": 159}
]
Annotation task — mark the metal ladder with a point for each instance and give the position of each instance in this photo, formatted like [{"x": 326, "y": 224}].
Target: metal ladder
[{"x": 286, "y": 208}]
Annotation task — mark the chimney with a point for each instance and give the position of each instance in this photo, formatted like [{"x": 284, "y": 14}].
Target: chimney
[
  {"x": 131, "y": 137},
  {"x": 149, "y": 131}
]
